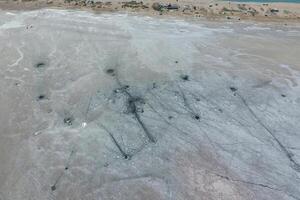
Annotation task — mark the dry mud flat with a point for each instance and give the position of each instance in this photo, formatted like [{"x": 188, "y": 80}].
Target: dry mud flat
[{"x": 117, "y": 106}]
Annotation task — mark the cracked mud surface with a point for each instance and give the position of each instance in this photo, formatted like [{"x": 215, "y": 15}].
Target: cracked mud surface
[{"x": 117, "y": 106}]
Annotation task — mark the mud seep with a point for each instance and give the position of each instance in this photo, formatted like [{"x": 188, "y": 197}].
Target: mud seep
[
  {"x": 69, "y": 120},
  {"x": 53, "y": 187},
  {"x": 41, "y": 97},
  {"x": 154, "y": 85},
  {"x": 233, "y": 89},
  {"x": 185, "y": 77},
  {"x": 40, "y": 65},
  {"x": 110, "y": 72},
  {"x": 134, "y": 104},
  {"x": 121, "y": 89},
  {"x": 197, "y": 117}
]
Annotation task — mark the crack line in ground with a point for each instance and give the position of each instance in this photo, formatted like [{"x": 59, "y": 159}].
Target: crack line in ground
[
  {"x": 295, "y": 165},
  {"x": 114, "y": 140},
  {"x": 255, "y": 184},
  {"x": 53, "y": 187}
]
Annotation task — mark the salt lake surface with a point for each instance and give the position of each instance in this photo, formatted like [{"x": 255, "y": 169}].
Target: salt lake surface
[{"x": 118, "y": 107}]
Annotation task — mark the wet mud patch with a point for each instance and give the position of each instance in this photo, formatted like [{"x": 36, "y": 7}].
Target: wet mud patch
[
  {"x": 134, "y": 104},
  {"x": 197, "y": 117},
  {"x": 53, "y": 187},
  {"x": 40, "y": 65},
  {"x": 184, "y": 77},
  {"x": 41, "y": 97},
  {"x": 233, "y": 89},
  {"x": 69, "y": 120},
  {"x": 110, "y": 72},
  {"x": 121, "y": 89}
]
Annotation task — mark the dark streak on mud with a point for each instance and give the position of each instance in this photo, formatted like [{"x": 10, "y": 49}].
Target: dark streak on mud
[
  {"x": 124, "y": 154},
  {"x": 256, "y": 184},
  {"x": 132, "y": 108},
  {"x": 40, "y": 65},
  {"x": 289, "y": 155},
  {"x": 53, "y": 187}
]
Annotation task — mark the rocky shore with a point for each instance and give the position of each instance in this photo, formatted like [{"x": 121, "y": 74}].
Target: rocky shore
[{"x": 184, "y": 8}]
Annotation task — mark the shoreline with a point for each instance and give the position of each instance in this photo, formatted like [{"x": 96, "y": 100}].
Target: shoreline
[{"x": 203, "y": 9}]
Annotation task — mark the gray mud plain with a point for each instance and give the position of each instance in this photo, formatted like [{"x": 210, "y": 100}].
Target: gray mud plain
[{"x": 122, "y": 107}]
